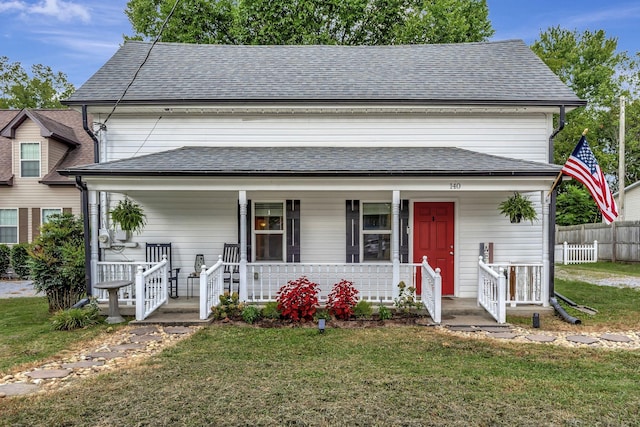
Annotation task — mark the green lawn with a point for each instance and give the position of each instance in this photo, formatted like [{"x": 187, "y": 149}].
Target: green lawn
[
  {"x": 627, "y": 269},
  {"x": 26, "y": 334},
  {"x": 411, "y": 376}
]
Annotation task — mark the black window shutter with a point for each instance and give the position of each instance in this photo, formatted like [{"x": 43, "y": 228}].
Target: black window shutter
[
  {"x": 353, "y": 231},
  {"x": 293, "y": 230},
  {"x": 248, "y": 229},
  {"x": 404, "y": 231}
]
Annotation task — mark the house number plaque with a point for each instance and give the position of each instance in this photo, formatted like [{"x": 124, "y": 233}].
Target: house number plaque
[{"x": 455, "y": 186}]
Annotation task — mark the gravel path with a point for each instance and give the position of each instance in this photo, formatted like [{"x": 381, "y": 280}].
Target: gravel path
[
  {"x": 16, "y": 288},
  {"x": 597, "y": 278}
]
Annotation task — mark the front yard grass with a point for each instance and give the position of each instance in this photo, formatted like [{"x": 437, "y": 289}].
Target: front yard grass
[
  {"x": 26, "y": 335},
  {"x": 230, "y": 375}
]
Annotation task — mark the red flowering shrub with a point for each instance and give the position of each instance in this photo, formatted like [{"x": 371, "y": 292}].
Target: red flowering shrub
[
  {"x": 342, "y": 299},
  {"x": 298, "y": 299}
]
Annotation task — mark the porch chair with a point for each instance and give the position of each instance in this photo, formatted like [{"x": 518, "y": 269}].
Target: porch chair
[
  {"x": 155, "y": 251},
  {"x": 231, "y": 273}
]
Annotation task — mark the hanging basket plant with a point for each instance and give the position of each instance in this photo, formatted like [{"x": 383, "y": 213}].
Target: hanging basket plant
[
  {"x": 517, "y": 208},
  {"x": 129, "y": 216}
]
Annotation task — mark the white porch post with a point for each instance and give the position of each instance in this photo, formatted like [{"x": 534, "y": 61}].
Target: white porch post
[
  {"x": 242, "y": 199},
  {"x": 545, "y": 249},
  {"x": 95, "y": 247},
  {"x": 395, "y": 244}
]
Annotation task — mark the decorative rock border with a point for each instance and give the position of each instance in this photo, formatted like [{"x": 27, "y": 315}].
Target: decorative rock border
[{"x": 117, "y": 349}]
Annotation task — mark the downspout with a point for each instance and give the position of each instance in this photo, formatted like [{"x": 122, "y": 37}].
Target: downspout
[
  {"x": 552, "y": 208},
  {"x": 84, "y": 197}
]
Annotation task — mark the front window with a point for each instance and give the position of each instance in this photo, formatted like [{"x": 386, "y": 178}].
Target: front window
[
  {"x": 268, "y": 231},
  {"x": 47, "y": 212},
  {"x": 376, "y": 231},
  {"x": 8, "y": 226},
  {"x": 30, "y": 159}
]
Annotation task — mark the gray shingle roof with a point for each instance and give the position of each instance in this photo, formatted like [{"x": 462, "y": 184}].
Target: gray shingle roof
[
  {"x": 506, "y": 72},
  {"x": 317, "y": 161}
]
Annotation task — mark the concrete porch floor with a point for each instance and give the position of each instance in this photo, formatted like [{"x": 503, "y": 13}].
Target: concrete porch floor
[{"x": 455, "y": 312}]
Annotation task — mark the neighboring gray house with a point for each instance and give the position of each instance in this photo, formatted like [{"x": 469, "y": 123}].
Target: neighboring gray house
[
  {"x": 336, "y": 162},
  {"x": 631, "y": 201}
]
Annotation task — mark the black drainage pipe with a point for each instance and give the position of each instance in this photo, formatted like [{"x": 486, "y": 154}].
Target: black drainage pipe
[{"x": 565, "y": 316}]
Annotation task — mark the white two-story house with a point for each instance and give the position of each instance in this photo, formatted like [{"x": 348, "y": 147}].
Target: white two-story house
[{"x": 334, "y": 162}]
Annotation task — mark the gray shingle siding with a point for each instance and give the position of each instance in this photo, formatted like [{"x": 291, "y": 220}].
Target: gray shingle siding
[
  {"x": 506, "y": 72},
  {"x": 318, "y": 161}
]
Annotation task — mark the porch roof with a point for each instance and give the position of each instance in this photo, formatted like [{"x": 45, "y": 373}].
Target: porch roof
[{"x": 317, "y": 161}]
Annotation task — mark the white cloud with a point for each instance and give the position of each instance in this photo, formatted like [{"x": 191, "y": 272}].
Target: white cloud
[
  {"x": 14, "y": 5},
  {"x": 61, "y": 10},
  {"x": 614, "y": 13}
]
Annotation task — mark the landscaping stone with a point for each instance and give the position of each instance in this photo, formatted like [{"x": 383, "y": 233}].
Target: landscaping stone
[
  {"x": 541, "y": 338},
  {"x": 44, "y": 374},
  {"x": 128, "y": 347},
  {"x": 82, "y": 364},
  {"x": 177, "y": 330},
  {"x": 463, "y": 328},
  {"x": 17, "y": 389},
  {"x": 106, "y": 355},
  {"x": 503, "y": 335},
  {"x": 494, "y": 329},
  {"x": 615, "y": 338},
  {"x": 144, "y": 330},
  {"x": 582, "y": 339},
  {"x": 146, "y": 338}
]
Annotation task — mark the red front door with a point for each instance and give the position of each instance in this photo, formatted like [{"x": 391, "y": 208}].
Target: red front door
[{"x": 433, "y": 237}]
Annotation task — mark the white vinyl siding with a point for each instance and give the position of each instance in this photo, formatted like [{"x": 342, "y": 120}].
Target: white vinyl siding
[
  {"x": 522, "y": 136},
  {"x": 8, "y": 226},
  {"x": 30, "y": 159}
]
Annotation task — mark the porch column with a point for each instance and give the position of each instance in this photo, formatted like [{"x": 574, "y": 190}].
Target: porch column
[
  {"x": 395, "y": 243},
  {"x": 242, "y": 200},
  {"x": 546, "y": 218},
  {"x": 95, "y": 227}
]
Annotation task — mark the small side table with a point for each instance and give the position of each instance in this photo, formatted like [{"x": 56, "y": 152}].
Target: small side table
[
  {"x": 113, "y": 286},
  {"x": 190, "y": 279}
]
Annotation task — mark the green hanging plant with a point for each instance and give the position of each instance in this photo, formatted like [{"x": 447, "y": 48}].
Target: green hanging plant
[
  {"x": 517, "y": 208},
  {"x": 129, "y": 216}
]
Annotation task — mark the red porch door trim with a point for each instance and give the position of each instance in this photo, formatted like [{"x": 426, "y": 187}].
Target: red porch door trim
[{"x": 433, "y": 236}]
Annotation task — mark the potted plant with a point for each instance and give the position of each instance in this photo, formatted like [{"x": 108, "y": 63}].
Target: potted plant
[
  {"x": 517, "y": 208},
  {"x": 129, "y": 216}
]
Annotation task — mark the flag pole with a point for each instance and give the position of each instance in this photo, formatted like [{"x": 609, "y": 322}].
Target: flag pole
[{"x": 555, "y": 183}]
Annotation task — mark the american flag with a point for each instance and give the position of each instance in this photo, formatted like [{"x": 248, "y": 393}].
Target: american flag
[{"x": 583, "y": 166}]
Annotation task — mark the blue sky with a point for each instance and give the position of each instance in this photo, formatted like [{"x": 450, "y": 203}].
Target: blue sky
[{"x": 77, "y": 36}]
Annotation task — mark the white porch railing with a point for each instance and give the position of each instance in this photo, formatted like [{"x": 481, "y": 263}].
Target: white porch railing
[
  {"x": 492, "y": 291},
  {"x": 524, "y": 283},
  {"x": 109, "y": 271},
  {"x": 151, "y": 288},
  {"x": 579, "y": 254},
  {"x": 374, "y": 281},
  {"x": 431, "y": 290},
  {"x": 211, "y": 287}
]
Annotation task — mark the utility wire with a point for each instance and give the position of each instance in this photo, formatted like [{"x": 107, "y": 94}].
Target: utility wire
[{"x": 135, "y": 75}]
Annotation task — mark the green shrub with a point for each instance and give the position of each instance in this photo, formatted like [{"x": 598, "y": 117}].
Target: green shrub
[
  {"x": 76, "y": 318},
  {"x": 20, "y": 260},
  {"x": 322, "y": 313},
  {"x": 384, "y": 313},
  {"x": 5, "y": 252},
  {"x": 56, "y": 261},
  {"x": 363, "y": 309},
  {"x": 406, "y": 300},
  {"x": 270, "y": 310},
  {"x": 229, "y": 307},
  {"x": 250, "y": 314}
]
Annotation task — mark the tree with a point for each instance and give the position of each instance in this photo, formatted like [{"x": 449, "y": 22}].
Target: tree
[
  {"x": 590, "y": 64},
  {"x": 43, "y": 89},
  {"x": 56, "y": 261},
  {"x": 346, "y": 22}
]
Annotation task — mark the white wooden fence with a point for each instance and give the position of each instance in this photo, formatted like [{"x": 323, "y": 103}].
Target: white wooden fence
[
  {"x": 579, "y": 254},
  {"x": 152, "y": 288},
  {"x": 211, "y": 287}
]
